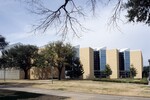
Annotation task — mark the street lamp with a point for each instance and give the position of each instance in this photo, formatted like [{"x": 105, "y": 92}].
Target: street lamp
[{"x": 149, "y": 72}]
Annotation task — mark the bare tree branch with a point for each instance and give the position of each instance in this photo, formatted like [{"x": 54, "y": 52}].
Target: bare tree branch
[
  {"x": 116, "y": 14},
  {"x": 66, "y": 18},
  {"x": 93, "y": 5}
]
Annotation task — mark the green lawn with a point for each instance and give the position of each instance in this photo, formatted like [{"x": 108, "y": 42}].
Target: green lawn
[{"x": 17, "y": 95}]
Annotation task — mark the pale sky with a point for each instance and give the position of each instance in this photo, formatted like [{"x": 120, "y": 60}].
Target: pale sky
[{"x": 16, "y": 23}]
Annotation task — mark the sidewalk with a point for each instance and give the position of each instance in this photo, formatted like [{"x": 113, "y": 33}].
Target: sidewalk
[{"x": 73, "y": 95}]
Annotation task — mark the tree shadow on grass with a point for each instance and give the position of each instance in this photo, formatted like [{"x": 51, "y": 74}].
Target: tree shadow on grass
[{"x": 18, "y": 95}]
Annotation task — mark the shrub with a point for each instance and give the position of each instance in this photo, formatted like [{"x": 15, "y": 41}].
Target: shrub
[
  {"x": 108, "y": 70},
  {"x": 133, "y": 72}
]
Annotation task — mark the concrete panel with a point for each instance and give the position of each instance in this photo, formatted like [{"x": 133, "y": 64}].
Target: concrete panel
[
  {"x": 87, "y": 59},
  {"x": 136, "y": 60},
  {"x": 112, "y": 59}
]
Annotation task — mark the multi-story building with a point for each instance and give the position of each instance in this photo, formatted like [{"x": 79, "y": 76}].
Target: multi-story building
[
  {"x": 87, "y": 59},
  {"x": 124, "y": 63},
  {"x": 112, "y": 59},
  {"x": 95, "y": 61}
]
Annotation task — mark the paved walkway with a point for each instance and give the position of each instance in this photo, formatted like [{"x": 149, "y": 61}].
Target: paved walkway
[{"x": 73, "y": 95}]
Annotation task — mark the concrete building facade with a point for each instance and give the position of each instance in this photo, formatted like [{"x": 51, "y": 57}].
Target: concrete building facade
[
  {"x": 137, "y": 62},
  {"x": 120, "y": 61},
  {"x": 86, "y": 58},
  {"x": 113, "y": 61}
]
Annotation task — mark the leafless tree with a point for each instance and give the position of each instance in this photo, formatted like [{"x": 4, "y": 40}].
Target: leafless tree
[
  {"x": 113, "y": 21},
  {"x": 66, "y": 17}
]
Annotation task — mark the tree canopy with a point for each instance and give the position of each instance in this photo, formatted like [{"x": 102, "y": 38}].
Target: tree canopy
[
  {"x": 3, "y": 43},
  {"x": 21, "y": 56},
  {"x": 138, "y": 11},
  {"x": 59, "y": 54},
  {"x": 145, "y": 72},
  {"x": 74, "y": 69},
  {"x": 56, "y": 54}
]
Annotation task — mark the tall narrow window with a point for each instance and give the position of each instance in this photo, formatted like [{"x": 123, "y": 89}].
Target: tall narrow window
[{"x": 102, "y": 54}]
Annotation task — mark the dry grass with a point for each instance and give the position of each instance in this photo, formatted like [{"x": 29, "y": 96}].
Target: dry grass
[{"x": 88, "y": 86}]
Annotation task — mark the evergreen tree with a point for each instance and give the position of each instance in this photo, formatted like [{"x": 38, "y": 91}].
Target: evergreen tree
[
  {"x": 133, "y": 71},
  {"x": 108, "y": 70}
]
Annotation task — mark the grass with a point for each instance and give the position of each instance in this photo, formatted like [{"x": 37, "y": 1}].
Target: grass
[
  {"x": 125, "y": 80},
  {"x": 17, "y": 95},
  {"x": 87, "y": 86}
]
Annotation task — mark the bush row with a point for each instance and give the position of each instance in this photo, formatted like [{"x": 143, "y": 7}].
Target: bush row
[{"x": 136, "y": 81}]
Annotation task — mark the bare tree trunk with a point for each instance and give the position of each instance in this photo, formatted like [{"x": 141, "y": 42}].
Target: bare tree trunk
[
  {"x": 26, "y": 73},
  {"x": 60, "y": 71},
  {"x": 59, "y": 78}
]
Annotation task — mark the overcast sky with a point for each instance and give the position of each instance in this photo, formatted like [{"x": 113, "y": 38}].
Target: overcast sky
[{"x": 16, "y": 23}]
